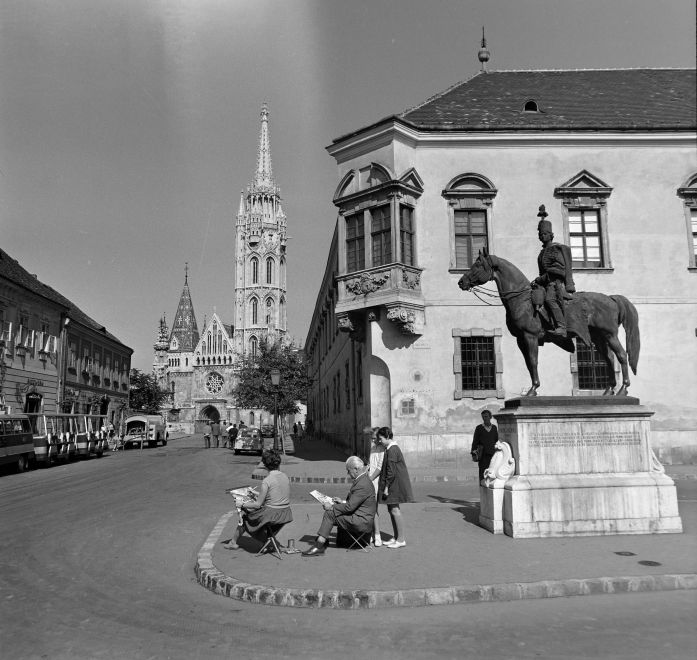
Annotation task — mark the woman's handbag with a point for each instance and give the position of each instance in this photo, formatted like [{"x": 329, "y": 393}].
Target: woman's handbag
[{"x": 477, "y": 454}]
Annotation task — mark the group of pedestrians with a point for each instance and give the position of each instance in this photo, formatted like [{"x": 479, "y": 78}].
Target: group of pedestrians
[{"x": 384, "y": 480}]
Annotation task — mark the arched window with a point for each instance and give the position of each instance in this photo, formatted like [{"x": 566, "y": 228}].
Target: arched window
[
  {"x": 282, "y": 313},
  {"x": 531, "y": 106},
  {"x": 255, "y": 311},
  {"x": 255, "y": 270},
  {"x": 269, "y": 271},
  {"x": 253, "y": 345},
  {"x": 469, "y": 198},
  {"x": 269, "y": 311},
  {"x": 283, "y": 273}
]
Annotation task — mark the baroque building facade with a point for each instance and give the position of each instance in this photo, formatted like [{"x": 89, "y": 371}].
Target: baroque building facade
[
  {"x": 394, "y": 341},
  {"x": 53, "y": 356},
  {"x": 198, "y": 369}
]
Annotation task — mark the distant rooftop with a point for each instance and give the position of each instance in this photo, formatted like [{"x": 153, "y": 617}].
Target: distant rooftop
[
  {"x": 555, "y": 100},
  {"x": 13, "y": 271}
]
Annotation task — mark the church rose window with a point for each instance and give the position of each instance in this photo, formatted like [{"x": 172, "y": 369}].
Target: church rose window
[{"x": 214, "y": 383}]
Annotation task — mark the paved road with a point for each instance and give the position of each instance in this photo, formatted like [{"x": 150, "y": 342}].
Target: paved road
[{"x": 97, "y": 562}]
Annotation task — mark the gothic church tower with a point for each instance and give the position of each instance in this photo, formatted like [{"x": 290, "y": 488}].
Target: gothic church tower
[{"x": 260, "y": 265}]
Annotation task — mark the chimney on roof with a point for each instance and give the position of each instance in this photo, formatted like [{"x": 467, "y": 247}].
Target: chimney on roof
[{"x": 484, "y": 53}]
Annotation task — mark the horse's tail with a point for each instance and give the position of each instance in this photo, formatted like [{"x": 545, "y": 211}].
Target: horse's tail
[{"x": 629, "y": 318}]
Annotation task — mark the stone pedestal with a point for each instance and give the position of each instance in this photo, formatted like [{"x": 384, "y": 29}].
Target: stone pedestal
[{"x": 583, "y": 466}]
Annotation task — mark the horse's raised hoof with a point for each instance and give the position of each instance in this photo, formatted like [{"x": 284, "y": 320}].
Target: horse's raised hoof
[
  {"x": 609, "y": 391},
  {"x": 622, "y": 391}
]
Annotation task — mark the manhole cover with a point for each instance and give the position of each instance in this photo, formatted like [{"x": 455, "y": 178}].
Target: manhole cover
[
  {"x": 625, "y": 553},
  {"x": 648, "y": 562}
]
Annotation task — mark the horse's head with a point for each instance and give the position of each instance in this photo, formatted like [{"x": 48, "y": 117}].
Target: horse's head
[{"x": 481, "y": 271}]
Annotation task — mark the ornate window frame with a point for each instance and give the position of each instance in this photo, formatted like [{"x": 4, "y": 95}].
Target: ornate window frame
[
  {"x": 586, "y": 191},
  {"x": 688, "y": 194},
  {"x": 468, "y": 192},
  {"x": 365, "y": 189},
  {"x": 575, "y": 385},
  {"x": 497, "y": 334}
]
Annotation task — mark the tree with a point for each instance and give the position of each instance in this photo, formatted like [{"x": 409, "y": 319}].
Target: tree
[
  {"x": 254, "y": 389},
  {"x": 145, "y": 394}
]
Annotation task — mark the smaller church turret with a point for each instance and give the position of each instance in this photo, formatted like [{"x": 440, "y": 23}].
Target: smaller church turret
[{"x": 161, "y": 345}]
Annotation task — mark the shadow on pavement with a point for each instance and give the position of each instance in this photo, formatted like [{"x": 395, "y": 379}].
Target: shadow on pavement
[{"x": 468, "y": 510}]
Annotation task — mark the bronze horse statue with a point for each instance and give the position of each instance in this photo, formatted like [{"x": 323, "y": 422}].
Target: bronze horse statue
[{"x": 600, "y": 316}]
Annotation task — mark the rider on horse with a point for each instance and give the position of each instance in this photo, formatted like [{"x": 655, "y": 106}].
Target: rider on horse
[{"x": 554, "y": 263}]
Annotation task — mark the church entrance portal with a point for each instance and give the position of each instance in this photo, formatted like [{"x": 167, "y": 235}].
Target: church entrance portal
[{"x": 210, "y": 414}]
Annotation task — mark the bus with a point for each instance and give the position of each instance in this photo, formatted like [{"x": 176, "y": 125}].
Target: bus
[{"x": 16, "y": 440}]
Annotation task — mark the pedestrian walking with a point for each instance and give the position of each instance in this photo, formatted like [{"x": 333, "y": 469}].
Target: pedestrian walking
[
  {"x": 232, "y": 435},
  {"x": 215, "y": 432},
  {"x": 207, "y": 435},
  {"x": 486, "y": 435},
  {"x": 295, "y": 430},
  {"x": 377, "y": 455},
  {"x": 394, "y": 486}
]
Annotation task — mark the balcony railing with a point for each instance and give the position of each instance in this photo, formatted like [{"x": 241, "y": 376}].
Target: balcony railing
[{"x": 396, "y": 287}]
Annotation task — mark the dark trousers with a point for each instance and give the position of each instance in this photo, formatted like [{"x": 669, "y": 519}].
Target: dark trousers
[
  {"x": 207, "y": 441},
  {"x": 484, "y": 463},
  {"x": 327, "y": 524},
  {"x": 217, "y": 440}
]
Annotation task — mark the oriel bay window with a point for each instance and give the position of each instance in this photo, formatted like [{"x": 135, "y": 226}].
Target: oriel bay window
[
  {"x": 381, "y": 235},
  {"x": 378, "y": 218},
  {"x": 406, "y": 235},
  {"x": 355, "y": 243}
]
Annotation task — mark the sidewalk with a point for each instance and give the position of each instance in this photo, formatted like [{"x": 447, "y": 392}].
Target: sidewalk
[{"x": 445, "y": 547}]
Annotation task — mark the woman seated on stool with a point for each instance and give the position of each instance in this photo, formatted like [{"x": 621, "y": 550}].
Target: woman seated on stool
[{"x": 272, "y": 505}]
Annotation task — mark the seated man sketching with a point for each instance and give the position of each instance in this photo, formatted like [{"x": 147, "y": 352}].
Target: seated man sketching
[{"x": 355, "y": 514}]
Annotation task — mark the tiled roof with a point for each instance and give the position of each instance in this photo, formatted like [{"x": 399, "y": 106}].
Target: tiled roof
[
  {"x": 620, "y": 99},
  {"x": 11, "y": 270}
]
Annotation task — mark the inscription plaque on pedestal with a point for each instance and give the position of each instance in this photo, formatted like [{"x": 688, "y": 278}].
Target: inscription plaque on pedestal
[{"x": 584, "y": 466}]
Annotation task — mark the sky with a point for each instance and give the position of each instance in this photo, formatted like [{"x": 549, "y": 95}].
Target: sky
[{"x": 128, "y": 128}]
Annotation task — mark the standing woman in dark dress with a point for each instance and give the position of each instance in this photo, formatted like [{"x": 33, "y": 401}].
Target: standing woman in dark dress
[
  {"x": 395, "y": 485},
  {"x": 486, "y": 436}
]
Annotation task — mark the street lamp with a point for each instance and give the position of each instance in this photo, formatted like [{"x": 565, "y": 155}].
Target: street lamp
[{"x": 275, "y": 381}]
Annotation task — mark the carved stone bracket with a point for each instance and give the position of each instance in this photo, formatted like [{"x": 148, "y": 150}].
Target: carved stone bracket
[
  {"x": 409, "y": 319},
  {"x": 352, "y": 324},
  {"x": 366, "y": 283},
  {"x": 502, "y": 465}
]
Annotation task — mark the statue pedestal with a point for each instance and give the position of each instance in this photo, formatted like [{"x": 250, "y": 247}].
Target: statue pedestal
[{"x": 583, "y": 466}]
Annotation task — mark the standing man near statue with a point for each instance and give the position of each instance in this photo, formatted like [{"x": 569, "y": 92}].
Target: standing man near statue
[{"x": 555, "y": 267}]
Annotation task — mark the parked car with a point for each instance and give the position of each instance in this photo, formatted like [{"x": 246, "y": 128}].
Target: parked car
[
  {"x": 248, "y": 440},
  {"x": 267, "y": 436}
]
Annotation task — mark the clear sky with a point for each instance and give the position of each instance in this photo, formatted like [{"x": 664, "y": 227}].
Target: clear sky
[{"x": 128, "y": 128}]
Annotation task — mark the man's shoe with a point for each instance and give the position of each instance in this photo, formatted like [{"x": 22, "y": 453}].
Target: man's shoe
[{"x": 315, "y": 551}]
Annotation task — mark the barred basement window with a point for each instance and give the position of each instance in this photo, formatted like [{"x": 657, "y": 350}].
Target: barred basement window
[
  {"x": 593, "y": 372},
  {"x": 478, "y": 363}
]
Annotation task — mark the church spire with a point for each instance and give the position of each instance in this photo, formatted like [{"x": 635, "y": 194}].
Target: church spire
[
  {"x": 184, "y": 327},
  {"x": 162, "y": 342},
  {"x": 263, "y": 177}
]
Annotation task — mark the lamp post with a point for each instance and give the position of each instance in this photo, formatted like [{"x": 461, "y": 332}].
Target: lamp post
[{"x": 275, "y": 381}]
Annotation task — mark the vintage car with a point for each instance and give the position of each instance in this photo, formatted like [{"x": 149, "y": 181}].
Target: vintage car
[{"x": 248, "y": 440}]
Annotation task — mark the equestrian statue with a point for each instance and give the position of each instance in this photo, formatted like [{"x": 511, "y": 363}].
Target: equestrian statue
[{"x": 549, "y": 309}]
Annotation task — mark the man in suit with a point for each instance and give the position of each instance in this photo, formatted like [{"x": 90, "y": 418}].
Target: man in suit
[{"x": 355, "y": 514}]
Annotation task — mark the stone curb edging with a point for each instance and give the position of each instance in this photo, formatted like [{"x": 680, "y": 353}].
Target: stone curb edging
[
  {"x": 418, "y": 478},
  {"x": 214, "y": 580}
]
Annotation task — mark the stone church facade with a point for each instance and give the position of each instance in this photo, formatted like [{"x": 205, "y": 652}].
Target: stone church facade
[{"x": 198, "y": 369}]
